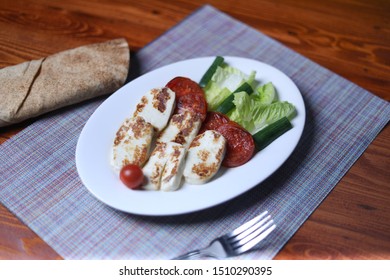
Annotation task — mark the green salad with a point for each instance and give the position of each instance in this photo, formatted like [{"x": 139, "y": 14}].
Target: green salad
[{"x": 239, "y": 96}]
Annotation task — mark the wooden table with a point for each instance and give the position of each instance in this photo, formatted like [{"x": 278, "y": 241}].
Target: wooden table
[{"x": 349, "y": 37}]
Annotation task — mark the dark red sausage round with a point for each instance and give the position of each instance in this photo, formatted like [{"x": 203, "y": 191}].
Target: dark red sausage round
[
  {"x": 240, "y": 144},
  {"x": 189, "y": 96},
  {"x": 213, "y": 121}
]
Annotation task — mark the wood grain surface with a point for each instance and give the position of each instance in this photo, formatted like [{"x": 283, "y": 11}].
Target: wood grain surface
[{"x": 349, "y": 37}]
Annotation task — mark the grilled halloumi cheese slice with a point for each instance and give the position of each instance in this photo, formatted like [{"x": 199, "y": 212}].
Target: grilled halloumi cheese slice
[
  {"x": 164, "y": 168},
  {"x": 182, "y": 128},
  {"x": 156, "y": 107},
  {"x": 154, "y": 167},
  {"x": 173, "y": 170},
  {"x": 204, "y": 157},
  {"x": 132, "y": 143}
]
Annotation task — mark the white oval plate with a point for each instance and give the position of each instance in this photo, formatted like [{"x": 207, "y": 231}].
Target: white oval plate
[{"x": 96, "y": 138}]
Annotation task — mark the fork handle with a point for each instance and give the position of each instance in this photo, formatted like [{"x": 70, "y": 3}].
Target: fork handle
[
  {"x": 188, "y": 255},
  {"x": 194, "y": 253}
]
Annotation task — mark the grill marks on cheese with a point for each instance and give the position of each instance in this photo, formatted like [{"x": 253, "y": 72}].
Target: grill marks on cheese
[
  {"x": 182, "y": 128},
  {"x": 132, "y": 143},
  {"x": 164, "y": 168},
  {"x": 133, "y": 140},
  {"x": 178, "y": 148},
  {"x": 156, "y": 107},
  {"x": 204, "y": 157},
  {"x": 166, "y": 163}
]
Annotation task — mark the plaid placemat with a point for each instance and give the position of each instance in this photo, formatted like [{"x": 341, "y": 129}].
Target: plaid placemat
[{"x": 40, "y": 184}]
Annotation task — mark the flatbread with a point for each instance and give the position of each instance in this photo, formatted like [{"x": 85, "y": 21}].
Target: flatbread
[{"x": 39, "y": 86}]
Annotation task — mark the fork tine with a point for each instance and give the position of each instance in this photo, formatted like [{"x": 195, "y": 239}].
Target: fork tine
[
  {"x": 247, "y": 225},
  {"x": 251, "y": 229},
  {"x": 254, "y": 238},
  {"x": 238, "y": 241}
]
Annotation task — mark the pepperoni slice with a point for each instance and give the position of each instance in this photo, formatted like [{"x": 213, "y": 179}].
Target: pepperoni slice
[
  {"x": 213, "y": 121},
  {"x": 240, "y": 144},
  {"x": 189, "y": 96}
]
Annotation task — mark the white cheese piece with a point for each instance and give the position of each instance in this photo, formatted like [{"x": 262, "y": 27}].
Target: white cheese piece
[
  {"x": 173, "y": 170},
  {"x": 132, "y": 143},
  {"x": 204, "y": 157},
  {"x": 182, "y": 128},
  {"x": 164, "y": 167},
  {"x": 156, "y": 107}
]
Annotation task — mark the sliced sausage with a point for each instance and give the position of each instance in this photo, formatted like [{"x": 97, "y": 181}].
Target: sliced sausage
[
  {"x": 240, "y": 144},
  {"x": 189, "y": 96},
  {"x": 213, "y": 121}
]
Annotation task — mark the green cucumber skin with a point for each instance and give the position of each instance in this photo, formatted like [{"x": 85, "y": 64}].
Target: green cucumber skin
[
  {"x": 210, "y": 72},
  {"x": 228, "y": 104},
  {"x": 271, "y": 132}
]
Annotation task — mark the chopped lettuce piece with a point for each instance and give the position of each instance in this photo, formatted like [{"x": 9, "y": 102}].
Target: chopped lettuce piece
[
  {"x": 225, "y": 80},
  {"x": 242, "y": 112},
  {"x": 254, "y": 111},
  {"x": 266, "y": 93},
  {"x": 254, "y": 115}
]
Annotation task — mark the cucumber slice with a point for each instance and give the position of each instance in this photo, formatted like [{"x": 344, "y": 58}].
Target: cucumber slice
[
  {"x": 210, "y": 72},
  {"x": 228, "y": 104},
  {"x": 271, "y": 132}
]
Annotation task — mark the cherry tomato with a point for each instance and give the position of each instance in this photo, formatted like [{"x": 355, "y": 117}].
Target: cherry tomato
[{"x": 132, "y": 176}]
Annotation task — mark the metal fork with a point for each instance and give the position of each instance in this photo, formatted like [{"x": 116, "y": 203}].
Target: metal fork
[{"x": 239, "y": 241}]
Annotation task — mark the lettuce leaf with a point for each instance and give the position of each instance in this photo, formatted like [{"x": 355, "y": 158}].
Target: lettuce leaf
[
  {"x": 254, "y": 111},
  {"x": 266, "y": 93},
  {"x": 225, "y": 80},
  {"x": 253, "y": 114}
]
